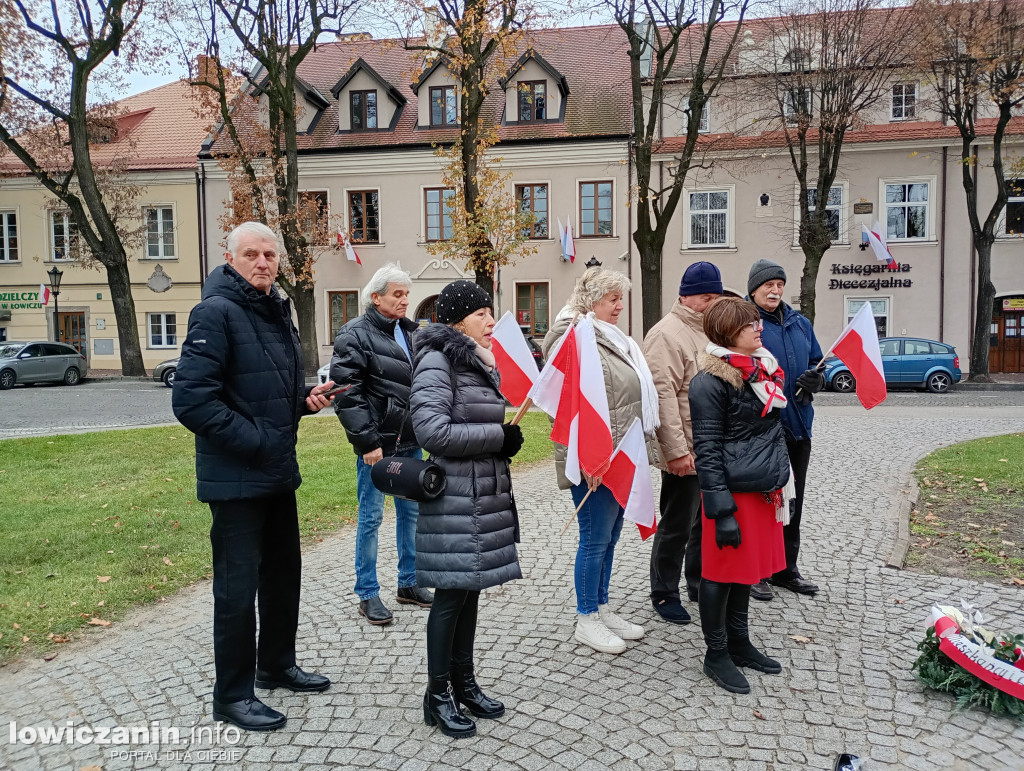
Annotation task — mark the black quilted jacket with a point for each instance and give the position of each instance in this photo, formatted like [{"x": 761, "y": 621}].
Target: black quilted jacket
[
  {"x": 240, "y": 389},
  {"x": 466, "y": 539},
  {"x": 737, "y": 450},
  {"x": 375, "y": 409}
]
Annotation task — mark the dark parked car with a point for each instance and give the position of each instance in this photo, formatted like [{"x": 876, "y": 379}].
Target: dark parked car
[
  {"x": 164, "y": 372},
  {"x": 40, "y": 361},
  {"x": 907, "y": 361},
  {"x": 534, "y": 347}
]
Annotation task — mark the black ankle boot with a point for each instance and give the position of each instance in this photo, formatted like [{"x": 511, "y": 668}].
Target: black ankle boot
[
  {"x": 744, "y": 654},
  {"x": 467, "y": 692},
  {"x": 441, "y": 709},
  {"x": 718, "y": 665}
]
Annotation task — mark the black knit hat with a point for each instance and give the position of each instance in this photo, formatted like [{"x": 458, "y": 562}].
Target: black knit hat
[
  {"x": 763, "y": 271},
  {"x": 459, "y": 299}
]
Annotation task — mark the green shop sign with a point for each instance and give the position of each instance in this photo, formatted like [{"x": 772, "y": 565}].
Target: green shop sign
[{"x": 19, "y": 301}]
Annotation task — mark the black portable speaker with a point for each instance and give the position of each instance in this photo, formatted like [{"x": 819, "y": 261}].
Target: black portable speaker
[{"x": 409, "y": 478}]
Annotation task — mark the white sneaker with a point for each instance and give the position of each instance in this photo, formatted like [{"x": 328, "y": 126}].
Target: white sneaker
[
  {"x": 619, "y": 626},
  {"x": 590, "y": 630}
]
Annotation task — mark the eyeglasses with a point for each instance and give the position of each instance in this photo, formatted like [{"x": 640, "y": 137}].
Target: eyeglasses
[{"x": 758, "y": 325}]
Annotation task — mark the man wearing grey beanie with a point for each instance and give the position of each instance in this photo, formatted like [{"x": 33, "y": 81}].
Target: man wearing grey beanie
[{"x": 789, "y": 336}]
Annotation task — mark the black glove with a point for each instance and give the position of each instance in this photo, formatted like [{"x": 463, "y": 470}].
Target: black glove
[
  {"x": 727, "y": 531},
  {"x": 811, "y": 381},
  {"x": 513, "y": 441}
]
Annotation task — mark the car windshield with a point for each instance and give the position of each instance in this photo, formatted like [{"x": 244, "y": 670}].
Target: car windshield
[{"x": 11, "y": 350}]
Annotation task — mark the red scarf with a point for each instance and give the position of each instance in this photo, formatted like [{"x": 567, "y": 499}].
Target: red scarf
[{"x": 754, "y": 372}]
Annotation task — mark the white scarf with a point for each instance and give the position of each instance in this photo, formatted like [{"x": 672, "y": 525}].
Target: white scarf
[{"x": 631, "y": 351}]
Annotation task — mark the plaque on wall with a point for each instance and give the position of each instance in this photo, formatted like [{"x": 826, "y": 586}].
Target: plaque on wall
[
  {"x": 159, "y": 281},
  {"x": 863, "y": 208}
]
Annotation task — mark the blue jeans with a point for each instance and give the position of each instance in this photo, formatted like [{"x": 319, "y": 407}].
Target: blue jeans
[
  {"x": 600, "y": 525},
  {"x": 371, "y": 513}
]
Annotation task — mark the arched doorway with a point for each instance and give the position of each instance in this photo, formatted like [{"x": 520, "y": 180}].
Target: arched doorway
[
  {"x": 1006, "y": 349},
  {"x": 426, "y": 310}
]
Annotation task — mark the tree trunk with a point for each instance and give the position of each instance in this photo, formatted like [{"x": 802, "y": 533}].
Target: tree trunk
[
  {"x": 650, "y": 281},
  {"x": 120, "y": 284},
  {"x": 809, "y": 280},
  {"x": 304, "y": 300},
  {"x": 983, "y": 314}
]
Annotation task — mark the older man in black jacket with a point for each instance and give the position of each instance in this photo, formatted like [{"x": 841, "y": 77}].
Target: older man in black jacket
[
  {"x": 372, "y": 363},
  {"x": 240, "y": 388}
]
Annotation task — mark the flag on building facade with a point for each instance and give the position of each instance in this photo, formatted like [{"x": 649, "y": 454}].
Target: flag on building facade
[
  {"x": 568, "y": 245},
  {"x": 876, "y": 237},
  {"x": 857, "y": 346},
  {"x": 350, "y": 251},
  {"x": 629, "y": 479},
  {"x": 44, "y": 295},
  {"x": 513, "y": 359}
]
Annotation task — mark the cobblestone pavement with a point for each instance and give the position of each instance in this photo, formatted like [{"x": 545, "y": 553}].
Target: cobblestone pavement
[{"x": 849, "y": 689}]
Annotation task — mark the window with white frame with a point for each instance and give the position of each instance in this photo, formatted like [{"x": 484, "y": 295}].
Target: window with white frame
[
  {"x": 63, "y": 236},
  {"x": 8, "y": 236},
  {"x": 798, "y": 104},
  {"x": 160, "y": 232},
  {"x": 906, "y": 210},
  {"x": 708, "y": 212},
  {"x": 1013, "y": 214},
  {"x": 833, "y": 210},
  {"x": 595, "y": 209},
  {"x": 438, "y": 212},
  {"x": 904, "y": 101},
  {"x": 879, "y": 309},
  {"x": 163, "y": 330},
  {"x": 705, "y": 121}
]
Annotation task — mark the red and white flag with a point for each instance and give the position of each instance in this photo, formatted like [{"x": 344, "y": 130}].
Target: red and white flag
[
  {"x": 44, "y": 295},
  {"x": 513, "y": 359},
  {"x": 876, "y": 237},
  {"x": 857, "y": 346},
  {"x": 629, "y": 479},
  {"x": 546, "y": 392},
  {"x": 350, "y": 252}
]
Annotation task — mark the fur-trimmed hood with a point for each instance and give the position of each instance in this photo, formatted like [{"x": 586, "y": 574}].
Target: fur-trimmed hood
[
  {"x": 720, "y": 369},
  {"x": 457, "y": 347}
]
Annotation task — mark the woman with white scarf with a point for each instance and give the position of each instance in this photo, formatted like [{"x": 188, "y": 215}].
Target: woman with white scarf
[
  {"x": 745, "y": 479},
  {"x": 631, "y": 394}
]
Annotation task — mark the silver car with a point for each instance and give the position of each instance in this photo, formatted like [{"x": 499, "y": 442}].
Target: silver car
[{"x": 40, "y": 361}]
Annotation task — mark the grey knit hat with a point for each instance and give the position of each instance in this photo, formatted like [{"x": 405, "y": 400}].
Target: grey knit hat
[
  {"x": 763, "y": 271},
  {"x": 459, "y": 299}
]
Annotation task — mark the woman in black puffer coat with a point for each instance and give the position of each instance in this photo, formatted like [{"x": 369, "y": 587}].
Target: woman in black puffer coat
[
  {"x": 743, "y": 468},
  {"x": 466, "y": 539}
]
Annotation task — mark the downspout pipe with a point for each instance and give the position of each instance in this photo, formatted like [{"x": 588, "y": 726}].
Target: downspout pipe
[
  {"x": 974, "y": 267},
  {"x": 203, "y": 229},
  {"x": 942, "y": 248},
  {"x": 629, "y": 230}
]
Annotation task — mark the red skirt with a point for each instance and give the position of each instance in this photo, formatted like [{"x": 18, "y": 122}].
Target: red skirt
[{"x": 761, "y": 552}]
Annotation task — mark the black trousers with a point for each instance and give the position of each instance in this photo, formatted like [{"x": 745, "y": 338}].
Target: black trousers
[
  {"x": 451, "y": 629},
  {"x": 676, "y": 546},
  {"x": 799, "y": 459},
  {"x": 255, "y": 556}
]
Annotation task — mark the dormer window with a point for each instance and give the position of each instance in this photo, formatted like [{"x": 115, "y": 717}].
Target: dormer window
[
  {"x": 443, "y": 107},
  {"x": 363, "y": 110},
  {"x": 532, "y": 101}
]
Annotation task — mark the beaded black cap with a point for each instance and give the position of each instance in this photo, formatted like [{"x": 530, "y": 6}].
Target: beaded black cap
[{"x": 459, "y": 299}]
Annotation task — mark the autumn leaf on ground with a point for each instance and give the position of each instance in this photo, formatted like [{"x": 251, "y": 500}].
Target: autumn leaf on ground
[
  {"x": 758, "y": 714},
  {"x": 60, "y": 638},
  {"x": 102, "y": 579},
  {"x": 167, "y": 561},
  {"x": 95, "y": 621},
  {"x": 16, "y": 626},
  {"x": 91, "y": 768},
  {"x": 800, "y": 638},
  {"x": 50, "y": 656},
  {"x": 898, "y": 602}
]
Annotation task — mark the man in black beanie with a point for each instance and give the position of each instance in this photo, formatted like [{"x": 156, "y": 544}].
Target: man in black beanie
[{"x": 789, "y": 336}]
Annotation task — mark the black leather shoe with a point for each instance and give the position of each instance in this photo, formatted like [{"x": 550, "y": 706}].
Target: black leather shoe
[
  {"x": 440, "y": 709},
  {"x": 744, "y": 654},
  {"x": 376, "y": 612},
  {"x": 796, "y": 583},
  {"x": 467, "y": 692},
  {"x": 719, "y": 666},
  {"x": 250, "y": 714},
  {"x": 294, "y": 679},
  {"x": 671, "y": 611},
  {"x": 762, "y": 591},
  {"x": 413, "y": 595}
]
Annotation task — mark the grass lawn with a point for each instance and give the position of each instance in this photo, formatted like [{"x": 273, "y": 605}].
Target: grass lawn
[
  {"x": 93, "y": 524},
  {"x": 969, "y": 519}
]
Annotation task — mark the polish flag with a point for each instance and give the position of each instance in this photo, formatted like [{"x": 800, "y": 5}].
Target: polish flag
[
  {"x": 350, "y": 252},
  {"x": 629, "y": 479},
  {"x": 44, "y": 294},
  {"x": 876, "y": 238},
  {"x": 568, "y": 245},
  {"x": 513, "y": 359},
  {"x": 546, "y": 391},
  {"x": 857, "y": 346}
]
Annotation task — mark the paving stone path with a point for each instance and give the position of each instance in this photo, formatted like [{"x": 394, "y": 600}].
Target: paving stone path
[{"x": 849, "y": 689}]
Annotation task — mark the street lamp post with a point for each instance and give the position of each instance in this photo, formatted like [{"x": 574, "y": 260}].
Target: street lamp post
[{"x": 55, "y": 277}]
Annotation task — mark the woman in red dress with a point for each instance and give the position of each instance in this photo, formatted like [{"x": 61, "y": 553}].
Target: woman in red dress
[{"x": 744, "y": 472}]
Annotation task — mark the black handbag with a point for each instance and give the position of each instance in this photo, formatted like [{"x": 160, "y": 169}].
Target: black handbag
[{"x": 409, "y": 478}]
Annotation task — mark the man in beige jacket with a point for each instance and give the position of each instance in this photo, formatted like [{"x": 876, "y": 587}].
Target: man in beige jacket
[{"x": 671, "y": 349}]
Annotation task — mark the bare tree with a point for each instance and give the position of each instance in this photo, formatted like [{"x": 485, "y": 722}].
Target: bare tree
[
  {"x": 477, "y": 40},
  {"x": 273, "y": 37},
  {"x": 667, "y": 39},
  {"x": 50, "y": 54},
  {"x": 826, "y": 64},
  {"x": 974, "y": 50}
]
